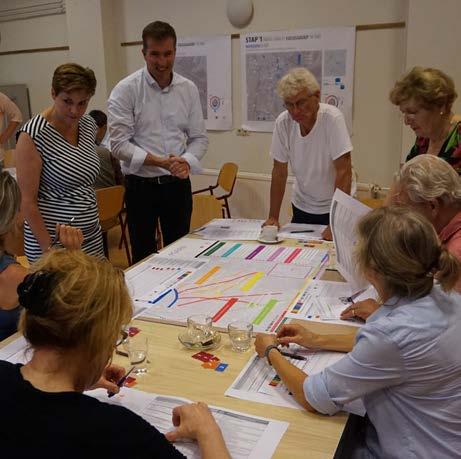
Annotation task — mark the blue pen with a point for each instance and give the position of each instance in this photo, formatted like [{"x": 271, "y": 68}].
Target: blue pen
[{"x": 163, "y": 295}]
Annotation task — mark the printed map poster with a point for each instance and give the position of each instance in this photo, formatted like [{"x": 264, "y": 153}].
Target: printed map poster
[
  {"x": 327, "y": 52},
  {"x": 207, "y": 62}
]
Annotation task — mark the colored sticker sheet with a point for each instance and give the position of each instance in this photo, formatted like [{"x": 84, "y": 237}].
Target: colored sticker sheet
[
  {"x": 258, "y": 381},
  {"x": 246, "y": 436}
]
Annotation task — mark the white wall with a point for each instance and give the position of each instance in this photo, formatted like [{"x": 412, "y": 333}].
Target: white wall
[
  {"x": 376, "y": 131},
  {"x": 381, "y": 57},
  {"x": 34, "y": 70}
]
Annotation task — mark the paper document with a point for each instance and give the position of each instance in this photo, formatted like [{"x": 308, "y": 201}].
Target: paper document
[
  {"x": 345, "y": 213},
  {"x": 300, "y": 231},
  {"x": 155, "y": 275},
  {"x": 246, "y": 436},
  {"x": 231, "y": 229},
  {"x": 16, "y": 351},
  {"x": 323, "y": 301},
  {"x": 258, "y": 381}
]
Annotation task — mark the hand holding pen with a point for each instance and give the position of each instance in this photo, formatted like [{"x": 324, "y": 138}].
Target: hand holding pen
[
  {"x": 68, "y": 236},
  {"x": 120, "y": 383}
]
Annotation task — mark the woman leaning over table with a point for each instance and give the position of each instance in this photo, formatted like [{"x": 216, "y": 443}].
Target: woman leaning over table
[
  {"x": 430, "y": 186},
  {"x": 425, "y": 97},
  {"x": 11, "y": 272},
  {"x": 405, "y": 365},
  {"x": 57, "y": 165},
  {"x": 74, "y": 308}
]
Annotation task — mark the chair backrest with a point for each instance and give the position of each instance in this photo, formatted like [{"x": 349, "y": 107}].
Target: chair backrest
[
  {"x": 205, "y": 208},
  {"x": 227, "y": 176},
  {"x": 110, "y": 203},
  {"x": 8, "y": 158}
]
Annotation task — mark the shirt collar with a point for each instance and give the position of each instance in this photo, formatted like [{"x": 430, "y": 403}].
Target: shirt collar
[
  {"x": 453, "y": 227},
  {"x": 151, "y": 80}
]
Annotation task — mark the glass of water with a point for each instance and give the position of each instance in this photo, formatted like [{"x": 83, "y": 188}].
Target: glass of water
[
  {"x": 240, "y": 334},
  {"x": 136, "y": 347}
]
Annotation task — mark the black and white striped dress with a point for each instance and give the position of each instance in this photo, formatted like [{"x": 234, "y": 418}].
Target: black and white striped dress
[{"x": 66, "y": 183}]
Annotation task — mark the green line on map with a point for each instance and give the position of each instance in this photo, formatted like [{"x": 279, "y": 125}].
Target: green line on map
[
  {"x": 213, "y": 249},
  {"x": 262, "y": 315}
]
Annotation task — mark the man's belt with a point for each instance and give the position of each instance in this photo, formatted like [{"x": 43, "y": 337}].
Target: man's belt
[{"x": 160, "y": 180}]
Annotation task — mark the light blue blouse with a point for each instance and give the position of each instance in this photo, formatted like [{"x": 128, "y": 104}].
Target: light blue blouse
[{"x": 406, "y": 367}]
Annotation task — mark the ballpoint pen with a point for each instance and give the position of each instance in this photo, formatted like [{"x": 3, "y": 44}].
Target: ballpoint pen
[
  {"x": 302, "y": 231},
  {"x": 56, "y": 234},
  {"x": 121, "y": 381},
  {"x": 292, "y": 355}
]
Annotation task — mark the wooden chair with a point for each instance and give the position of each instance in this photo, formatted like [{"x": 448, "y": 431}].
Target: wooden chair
[
  {"x": 372, "y": 202},
  {"x": 226, "y": 180},
  {"x": 205, "y": 208},
  {"x": 110, "y": 205},
  {"x": 8, "y": 159}
]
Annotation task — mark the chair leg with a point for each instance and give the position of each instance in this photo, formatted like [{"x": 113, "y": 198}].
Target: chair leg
[
  {"x": 226, "y": 205},
  {"x": 123, "y": 224},
  {"x": 124, "y": 241},
  {"x": 105, "y": 244}
]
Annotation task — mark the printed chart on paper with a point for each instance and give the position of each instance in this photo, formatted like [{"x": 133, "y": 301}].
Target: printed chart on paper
[{"x": 253, "y": 282}]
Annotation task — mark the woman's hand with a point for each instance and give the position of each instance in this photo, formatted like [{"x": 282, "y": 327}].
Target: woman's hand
[
  {"x": 297, "y": 334},
  {"x": 362, "y": 309},
  {"x": 71, "y": 238},
  {"x": 111, "y": 374},
  {"x": 193, "y": 421},
  {"x": 262, "y": 341}
]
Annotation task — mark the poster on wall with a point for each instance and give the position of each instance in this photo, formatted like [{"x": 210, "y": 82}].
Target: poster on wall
[
  {"x": 265, "y": 57},
  {"x": 207, "y": 62}
]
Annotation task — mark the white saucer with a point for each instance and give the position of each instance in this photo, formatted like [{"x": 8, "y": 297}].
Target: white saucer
[{"x": 270, "y": 241}]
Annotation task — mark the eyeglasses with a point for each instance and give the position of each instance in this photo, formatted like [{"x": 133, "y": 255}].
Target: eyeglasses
[{"x": 299, "y": 104}]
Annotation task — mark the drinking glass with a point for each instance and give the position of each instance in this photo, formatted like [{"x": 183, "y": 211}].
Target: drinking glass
[
  {"x": 199, "y": 329},
  {"x": 136, "y": 347},
  {"x": 240, "y": 333}
]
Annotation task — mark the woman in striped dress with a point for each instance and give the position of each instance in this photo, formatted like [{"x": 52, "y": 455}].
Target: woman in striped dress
[{"x": 57, "y": 165}]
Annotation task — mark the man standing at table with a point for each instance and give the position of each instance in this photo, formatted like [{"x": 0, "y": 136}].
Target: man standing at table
[
  {"x": 313, "y": 138},
  {"x": 157, "y": 131}
]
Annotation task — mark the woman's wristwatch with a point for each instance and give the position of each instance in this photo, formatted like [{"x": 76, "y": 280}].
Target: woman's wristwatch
[{"x": 268, "y": 349}]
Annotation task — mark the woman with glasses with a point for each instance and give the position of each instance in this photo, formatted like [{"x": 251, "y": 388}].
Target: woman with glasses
[
  {"x": 425, "y": 97},
  {"x": 75, "y": 306},
  {"x": 405, "y": 366},
  {"x": 57, "y": 165},
  {"x": 313, "y": 138}
]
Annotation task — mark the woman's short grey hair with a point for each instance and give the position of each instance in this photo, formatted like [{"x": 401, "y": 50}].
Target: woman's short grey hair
[
  {"x": 427, "y": 177},
  {"x": 295, "y": 81}
]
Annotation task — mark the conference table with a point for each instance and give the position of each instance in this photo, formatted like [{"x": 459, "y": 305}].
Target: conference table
[{"x": 172, "y": 371}]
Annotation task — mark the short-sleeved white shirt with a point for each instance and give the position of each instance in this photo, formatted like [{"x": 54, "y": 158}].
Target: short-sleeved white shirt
[{"x": 311, "y": 157}]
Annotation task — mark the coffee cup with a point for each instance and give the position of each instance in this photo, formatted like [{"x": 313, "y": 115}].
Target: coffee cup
[{"x": 269, "y": 233}]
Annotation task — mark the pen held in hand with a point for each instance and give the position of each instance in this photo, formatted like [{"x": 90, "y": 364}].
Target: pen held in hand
[
  {"x": 292, "y": 356},
  {"x": 121, "y": 381},
  {"x": 55, "y": 239}
]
